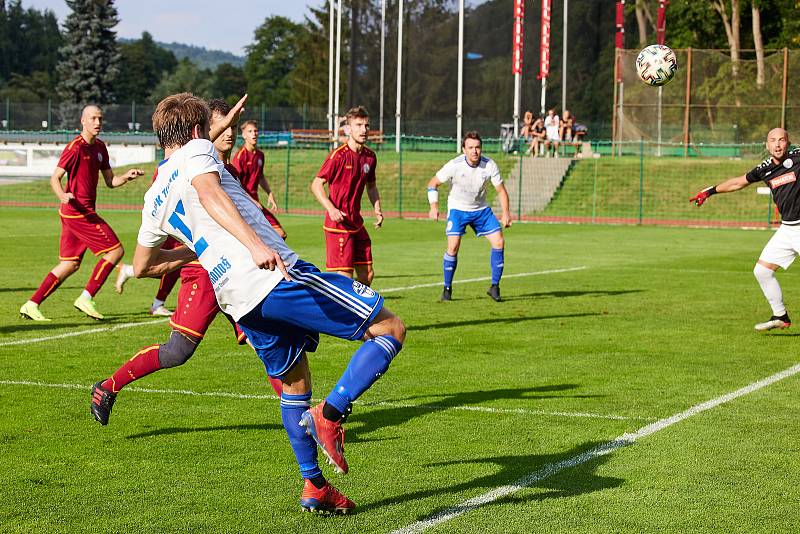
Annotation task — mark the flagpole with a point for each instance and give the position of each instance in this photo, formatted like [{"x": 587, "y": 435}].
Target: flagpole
[
  {"x": 459, "y": 105},
  {"x": 399, "y": 76}
]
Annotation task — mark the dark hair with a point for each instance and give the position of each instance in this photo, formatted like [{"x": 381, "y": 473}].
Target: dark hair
[
  {"x": 358, "y": 112},
  {"x": 247, "y": 123},
  {"x": 176, "y": 116},
  {"x": 472, "y": 134},
  {"x": 218, "y": 106}
]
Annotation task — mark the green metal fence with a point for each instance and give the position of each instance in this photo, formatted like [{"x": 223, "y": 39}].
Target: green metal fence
[{"x": 621, "y": 183}]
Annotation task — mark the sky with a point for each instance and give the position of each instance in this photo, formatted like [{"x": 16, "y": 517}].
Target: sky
[{"x": 193, "y": 21}]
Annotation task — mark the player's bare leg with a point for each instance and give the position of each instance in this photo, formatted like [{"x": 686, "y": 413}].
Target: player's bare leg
[
  {"x": 365, "y": 274},
  {"x": 765, "y": 274},
  {"x": 497, "y": 261},
  {"x": 85, "y": 302},
  {"x": 56, "y": 276}
]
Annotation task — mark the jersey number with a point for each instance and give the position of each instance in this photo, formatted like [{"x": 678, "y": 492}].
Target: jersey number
[{"x": 175, "y": 220}]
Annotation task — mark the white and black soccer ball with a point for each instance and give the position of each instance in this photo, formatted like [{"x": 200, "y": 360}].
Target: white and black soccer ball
[{"x": 656, "y": 65}]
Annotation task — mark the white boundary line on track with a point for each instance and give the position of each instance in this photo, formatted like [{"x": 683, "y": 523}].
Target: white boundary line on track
[
  {"x": 482, "y": 279},
  {"x": 601, "y": 450},
  {"x": 389, "y": 290},
  {"x": 230, "y": 395},
  {"x": 81, "y": 333}
]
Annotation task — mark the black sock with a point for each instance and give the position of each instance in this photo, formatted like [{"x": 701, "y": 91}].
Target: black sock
[
  {"x": 319, "y": 482},
  {"x": 331, "y": 414}
]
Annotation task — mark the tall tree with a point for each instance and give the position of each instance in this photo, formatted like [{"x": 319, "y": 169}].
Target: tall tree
[
  {"x": 229, "y": 82},
  {"x": 270, "y": 61},
  {"x": 89, "y": 57},
  {"x": 142, "y": 65},
  {"x": 758, "y": 42},
  {"x": 187, "y": 77},
  {"x": 732, "y": 24}
]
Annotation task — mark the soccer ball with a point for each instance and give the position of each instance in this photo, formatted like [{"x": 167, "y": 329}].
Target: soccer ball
[{"x": 656, "y": 65}]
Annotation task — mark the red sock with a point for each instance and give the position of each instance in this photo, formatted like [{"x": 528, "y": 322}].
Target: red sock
[
  {"x": 99, "y": 275},
  {"x": 276, "y": 384},
  {"x": 168, "y": 281},
  {"x": 142, "y": 364},
  {"x": 49, "y": 284}
]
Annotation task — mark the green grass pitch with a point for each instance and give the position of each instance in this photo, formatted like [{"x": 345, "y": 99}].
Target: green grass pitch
[{"x": 656, "y": 320}]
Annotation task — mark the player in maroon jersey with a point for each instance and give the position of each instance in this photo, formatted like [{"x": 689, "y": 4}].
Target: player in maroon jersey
[
  {"x": 81, "y": 227},
  {"x": 348, "y": 170},
  {"x": 249, "y": 164},
  {"x": 197, "y": 305}
]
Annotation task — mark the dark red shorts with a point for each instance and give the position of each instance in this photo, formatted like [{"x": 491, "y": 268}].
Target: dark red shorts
[
  {"x": 345, "y": 250},
  {"x": 273, "y": 221},
  {"x": 197, "y": 305},
  {"x": 79, "y": 232}
]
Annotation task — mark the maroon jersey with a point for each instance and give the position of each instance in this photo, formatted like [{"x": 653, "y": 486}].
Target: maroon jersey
[
  {"x": 83, "y": 163},
  {"x": 347, "y": 173},
  {"x": 250, "y": 167}
]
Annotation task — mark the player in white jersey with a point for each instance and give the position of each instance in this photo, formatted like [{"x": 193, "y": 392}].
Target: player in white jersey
[
  {"x": 281, "y": 302},
  {"x": 469, "y": 175}
]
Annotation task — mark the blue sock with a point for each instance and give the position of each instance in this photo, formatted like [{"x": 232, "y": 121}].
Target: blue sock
[
  {"x": 497, "y": 260},
  {"x": 368, "y": 363},
  {"x": 450, "y": 263},
  {"x": 303, "y": 445}
]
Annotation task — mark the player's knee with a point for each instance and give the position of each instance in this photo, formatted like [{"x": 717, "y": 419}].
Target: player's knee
[
  {"x": 395, "y": 327},
  {"x": 176, "y": 351},
  {"x": 762, "y": 272},
  {"x": 115, "y": 255}
]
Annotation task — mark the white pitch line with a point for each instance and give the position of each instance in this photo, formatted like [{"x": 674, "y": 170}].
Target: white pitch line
[
  {"x": 601, "y": 450},
  {"x": 231, "y": 395},
  {"x": 389, "y": 290},
  {"x": 81, "y": 333},
  {"x": 482, "y": 279}
]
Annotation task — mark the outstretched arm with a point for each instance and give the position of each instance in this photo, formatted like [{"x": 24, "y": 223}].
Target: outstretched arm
[
  {"x": 113, "y": 181},
  {"x": 155, "y": 261},
  {"x": 728, "y": 186},
  {"x": 433, "y": 198},
  {"x": 231, "y": 118}
]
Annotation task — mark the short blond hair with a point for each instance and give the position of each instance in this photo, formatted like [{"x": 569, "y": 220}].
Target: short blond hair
[{"x": 176, "y": 116}]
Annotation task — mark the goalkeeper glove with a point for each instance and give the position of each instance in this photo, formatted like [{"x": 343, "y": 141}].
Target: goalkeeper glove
[{"x": 703, "y": 195}]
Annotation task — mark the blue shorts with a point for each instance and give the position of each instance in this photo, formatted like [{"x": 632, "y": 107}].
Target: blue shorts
[
  {"x": 483, "y": 222},
  {"x": 289, "y": 320}
]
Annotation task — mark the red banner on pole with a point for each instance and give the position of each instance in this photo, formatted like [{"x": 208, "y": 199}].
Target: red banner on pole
[
  {"x": 519, "y": 20},
  {"x": 661, "y": 24},
  {"x": 620, "y": 38},
  {"x": 544, "y": 54}
]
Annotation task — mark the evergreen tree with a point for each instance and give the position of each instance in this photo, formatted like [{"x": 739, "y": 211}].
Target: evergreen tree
[{"x": 89, "y": 57}]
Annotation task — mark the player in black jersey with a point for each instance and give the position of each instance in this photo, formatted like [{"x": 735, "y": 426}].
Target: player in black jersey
[{"x": 780, "y": 172}]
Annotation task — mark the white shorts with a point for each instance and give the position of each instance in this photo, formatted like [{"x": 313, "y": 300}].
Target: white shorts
[
  {"x": 783, "y": 247},
  {"x": 552, "y": 133}
]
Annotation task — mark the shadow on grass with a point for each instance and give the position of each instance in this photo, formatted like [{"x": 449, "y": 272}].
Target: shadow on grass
[
  {"x": 496, "y": 320},
  {"x": 531, "y": 470},
  {"x": 415, "y": 275},
  {"x": 363, "y": 423},
  {"x": 191, "y": 430},
  {"x": 566, "y": 294},
  {"x": 13, "y": 289},
  {"x": 42, "y": 326}
]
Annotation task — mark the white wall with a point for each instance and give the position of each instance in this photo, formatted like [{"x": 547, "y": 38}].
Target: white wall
[{"x": 39, "y": 159}]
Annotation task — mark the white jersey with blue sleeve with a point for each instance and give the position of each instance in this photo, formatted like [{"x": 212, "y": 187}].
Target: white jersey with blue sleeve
[
  {"x": 172, "y": 208},
  {"x": 467, "y": 183}
]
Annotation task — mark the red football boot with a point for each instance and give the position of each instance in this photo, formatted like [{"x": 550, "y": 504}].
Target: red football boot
[
  {"x": 326, "y": 500},
  {"x": 328, "y": 435}
]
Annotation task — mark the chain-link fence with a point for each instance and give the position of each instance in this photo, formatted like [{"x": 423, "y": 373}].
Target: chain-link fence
[
  {"x": 711, "y": 100},
  {"x": 627, "y": 183}
]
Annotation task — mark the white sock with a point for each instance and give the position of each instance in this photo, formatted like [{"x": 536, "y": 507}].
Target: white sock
[
  {"x": 86, "y": 295},
  {"x": 771, "y": 288},
  {"x": 156, "y": 304},
  {"x": 127, "y": 269}
]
